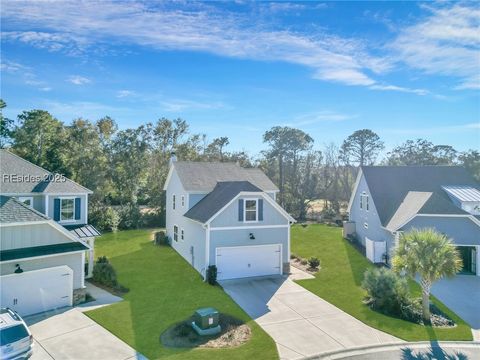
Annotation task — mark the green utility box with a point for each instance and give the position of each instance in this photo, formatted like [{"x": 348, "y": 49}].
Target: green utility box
[{"x": 206, "y": 318}]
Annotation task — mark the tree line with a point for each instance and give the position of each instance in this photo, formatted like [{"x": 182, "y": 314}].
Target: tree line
[{"x": 126, "y": 168}]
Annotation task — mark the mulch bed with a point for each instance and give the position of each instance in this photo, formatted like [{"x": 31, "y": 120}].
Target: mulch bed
[
  {"x": 298, "y": 264},
  {"x": 181, "y": 335}
]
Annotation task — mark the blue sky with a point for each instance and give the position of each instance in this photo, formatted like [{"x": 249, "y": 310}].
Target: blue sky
[{"x": 404, "y": 69}]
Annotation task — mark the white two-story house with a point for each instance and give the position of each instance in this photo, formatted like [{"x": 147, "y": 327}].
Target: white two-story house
[
  {"x": 225, "y": 215},
  {"x": 46, "y": 242}
]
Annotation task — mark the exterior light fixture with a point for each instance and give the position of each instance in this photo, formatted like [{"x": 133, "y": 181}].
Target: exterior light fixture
[{"x": 251, "y": 236}]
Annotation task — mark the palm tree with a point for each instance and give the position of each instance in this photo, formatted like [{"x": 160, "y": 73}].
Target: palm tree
[{"x": 428, "y": 254}]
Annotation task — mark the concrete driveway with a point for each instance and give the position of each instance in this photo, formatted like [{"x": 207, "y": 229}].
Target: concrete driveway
[
  {"x": 462, "y": 295},
  {"x": 69, "y": 334},
  {"x": 301, "y": 323}
]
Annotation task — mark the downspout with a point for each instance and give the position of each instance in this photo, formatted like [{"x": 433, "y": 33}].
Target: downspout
[{"x": 207, "y": 249}]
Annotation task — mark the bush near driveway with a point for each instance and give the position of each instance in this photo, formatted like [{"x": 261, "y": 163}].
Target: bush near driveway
[
  {"x": 339, "y": 282},
  {"x": 165, "y": 289}
]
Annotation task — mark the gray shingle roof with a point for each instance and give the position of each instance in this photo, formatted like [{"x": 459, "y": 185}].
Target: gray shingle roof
[
  {"x": 390, "y": 185},
  {"x": 218, "y": 198},
  {"x": 34, "y": 178},
  {"x": 12, "y": 210},
  {"x": 22, "y": 253},
  {"x": 204, "y": 176}
]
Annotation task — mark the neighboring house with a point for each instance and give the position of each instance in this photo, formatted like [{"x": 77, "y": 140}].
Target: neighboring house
[
  {"x": 225, "y": 215},
  {"x": 44, "y": 236},
  {"x": 389, "y": 200}
]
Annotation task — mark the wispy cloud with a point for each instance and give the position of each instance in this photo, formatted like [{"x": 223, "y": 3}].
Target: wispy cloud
[
  {"x": 84, "y": 24},
  {"x": 447, "y": 43},
  {"x": 180, "y": 105},
  {"x": 399, "y": 88},
  {"x": 125, "y": 94},
  {"x": 78, "y": 80},
  {"x": 25, "y": 74},
  {"x": 317, "y": 117}
]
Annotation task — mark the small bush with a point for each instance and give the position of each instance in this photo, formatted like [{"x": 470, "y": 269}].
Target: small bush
[
  {"x": 313, "y": 262},
  {"x": 386, "y": 291},
  {"x": 304, "y": 261},
  {"x": 104, "y": 274},
  {"x": 161, "y": 238},
  {"x": 212, "y": 275},
  {"x": 304, "y": 225},
  {"x": 293, "y": 256}
]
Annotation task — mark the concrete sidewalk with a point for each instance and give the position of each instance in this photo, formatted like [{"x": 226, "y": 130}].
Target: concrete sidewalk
[{"x": 301, "y": 323}]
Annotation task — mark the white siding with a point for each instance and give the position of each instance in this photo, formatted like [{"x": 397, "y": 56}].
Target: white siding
[
  {"x": 73, "y": 261},
  {"x": 20, "y": 236},
  {"x": 193, "y": 231},
  {"x": 229, "y": 217}
]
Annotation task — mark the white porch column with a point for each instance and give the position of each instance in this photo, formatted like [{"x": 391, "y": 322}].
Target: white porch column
[
  {"x": 91, "y": 257},
  {"x": 477, "y": 270}
]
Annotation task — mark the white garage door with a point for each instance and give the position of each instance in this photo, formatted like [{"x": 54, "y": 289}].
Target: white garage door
[
  {"x": 35, "y": 291},
  {"x": 247, "y": 261}
]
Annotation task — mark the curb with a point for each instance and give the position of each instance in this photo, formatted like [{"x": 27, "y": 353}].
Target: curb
[{"x": 341, "y": 354}]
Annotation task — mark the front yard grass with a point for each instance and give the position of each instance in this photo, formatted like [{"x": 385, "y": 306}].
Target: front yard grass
[
  {"x": 165, "y": 289},
  {"x": 339, "y": 279}
]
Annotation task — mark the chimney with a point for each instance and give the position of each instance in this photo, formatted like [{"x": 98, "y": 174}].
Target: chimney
[{"x": 173, "y": 157}]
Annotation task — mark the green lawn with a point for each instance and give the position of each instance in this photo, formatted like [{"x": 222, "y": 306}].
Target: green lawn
[
  {"x": 339, "y": 279},
  {"x": 165, "y": 289}
]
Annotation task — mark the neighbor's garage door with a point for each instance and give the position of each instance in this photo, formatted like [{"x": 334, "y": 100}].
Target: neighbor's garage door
[
  {"x": 247, "y": 261},
  {"x": 35, "y": 291}
]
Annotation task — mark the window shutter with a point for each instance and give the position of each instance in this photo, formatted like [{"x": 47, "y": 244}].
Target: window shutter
[
  {"x": 56, "y": 209},
  {"x": 260, "y": 209},
  {"x": 240, "y": 210},
  {"x": 77, "y": 208}
]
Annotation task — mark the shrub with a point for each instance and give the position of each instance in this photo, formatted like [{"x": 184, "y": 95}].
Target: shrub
[
  {"x": 293, "y": 256},
  {"x": 212, "y": 275},
  {"x": 386, "y": 291},
  {"x": 313, "y": 262},
  {"x": 304, "y": 261},
  {"x": 104, "y": 273},
  {"x": 161, "y": 238},
  {"x": 304, "y": 225}
]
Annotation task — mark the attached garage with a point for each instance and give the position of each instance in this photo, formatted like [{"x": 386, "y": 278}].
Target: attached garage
[
  {"x": 36, "y": 291},
  {"x": 247, "y": 261}
]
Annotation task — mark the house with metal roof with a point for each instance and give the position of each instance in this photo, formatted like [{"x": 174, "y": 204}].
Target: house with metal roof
[
  {"x": 225, "y": 215},
  {"x": 43, "y": 229},
  {"x": 389, "y": 200}
]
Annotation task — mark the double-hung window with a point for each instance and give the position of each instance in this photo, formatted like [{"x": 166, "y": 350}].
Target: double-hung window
[
  {"x": 182, "y": 235},
  {"x": 67, "y": 209},
  {"x": 251, "y": 208},
  {"x": 183, "y": 200},
  {"x": 173, "y": 202},
  {"x": 175, "y": 232}
]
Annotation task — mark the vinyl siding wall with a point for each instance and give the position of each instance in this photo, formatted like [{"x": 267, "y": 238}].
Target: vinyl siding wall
[
  {"x": 194, "y": 232},
  {"x": 21, "y": 236},
  {"x": 375, "y": 231},
  {"x": 462, "y": 230},
  {"x": 229, "y": 217},
  {"x": 74, "y": 261}
]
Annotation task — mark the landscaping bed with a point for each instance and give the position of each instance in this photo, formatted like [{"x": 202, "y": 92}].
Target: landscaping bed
[{"x": 234, "y": 333}]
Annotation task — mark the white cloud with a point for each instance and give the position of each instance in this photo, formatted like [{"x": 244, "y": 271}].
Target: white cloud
[
  {"x": 317, "y": 117},
  {"x": 421, "y": 92},
  {"x": 12, "y": 67},
  {"x": 77, "y": 26},
  {"x": 78, "y": 80},
  {"x": 447, "y": 42},
  {"x": 179, "y": 105},
  {"x": 125, "y": 93}
]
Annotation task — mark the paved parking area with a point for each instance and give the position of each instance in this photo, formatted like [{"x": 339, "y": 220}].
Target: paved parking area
[
  {"x": 301, "y": 323},
  {"x": 462, "y": 295}
]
